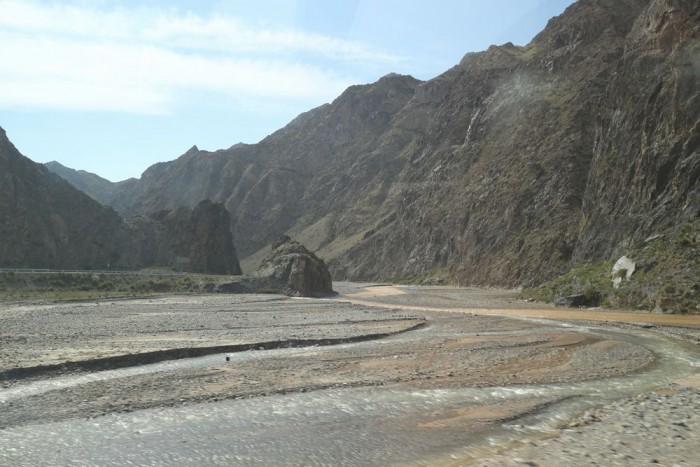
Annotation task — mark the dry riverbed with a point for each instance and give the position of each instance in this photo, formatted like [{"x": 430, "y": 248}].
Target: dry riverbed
[
  {"x": 35, "y": 335},
  {"x": 391, "y": 338}
]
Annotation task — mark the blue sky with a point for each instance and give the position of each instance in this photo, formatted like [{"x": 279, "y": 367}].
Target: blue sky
[{"x": 114, "y": 86}]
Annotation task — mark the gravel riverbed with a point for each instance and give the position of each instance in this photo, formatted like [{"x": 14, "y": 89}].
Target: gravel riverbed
[
  {"x": 654, "y": 428},
  {"x": 54, "y": 333},
  {"x": 420, "y": 350}
]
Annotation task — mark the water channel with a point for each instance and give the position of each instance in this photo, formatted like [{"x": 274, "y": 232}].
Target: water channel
[{"x": 353, "y": 426}]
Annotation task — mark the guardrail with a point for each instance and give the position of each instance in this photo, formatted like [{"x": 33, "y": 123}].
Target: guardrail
[{"x": 145, "y": 272}]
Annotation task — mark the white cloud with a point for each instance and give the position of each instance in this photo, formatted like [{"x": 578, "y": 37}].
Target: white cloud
[{"x": 71, "y": 57}]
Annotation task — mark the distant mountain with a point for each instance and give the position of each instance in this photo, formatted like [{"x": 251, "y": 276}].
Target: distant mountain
[
  {"x": 47, "y": 223},
  {"x": 510, "y": 168},
  {"x": 95, "y": 186},
  {"x": 264, "y": 185}
]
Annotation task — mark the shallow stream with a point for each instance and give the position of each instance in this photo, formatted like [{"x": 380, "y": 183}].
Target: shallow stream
[{"x": 354, "y": 426}]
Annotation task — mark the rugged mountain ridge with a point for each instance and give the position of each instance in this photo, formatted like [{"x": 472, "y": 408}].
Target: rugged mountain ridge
[
  {"x": 47, "y": 223},
  {"x": 98, "y": 188},
  {"x": 508, "y": 169},
  {"x": 266, "y": 186}
]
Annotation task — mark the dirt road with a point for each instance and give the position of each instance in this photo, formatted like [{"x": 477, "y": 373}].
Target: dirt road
[{"x": 495, "y": 302}]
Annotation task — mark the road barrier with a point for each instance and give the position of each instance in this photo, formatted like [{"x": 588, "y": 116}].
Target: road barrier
[{"x": 145, "y": 272}]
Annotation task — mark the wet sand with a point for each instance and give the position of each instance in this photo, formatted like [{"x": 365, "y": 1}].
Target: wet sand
[
  {"x": 458, "y": 350},
  {"x": 498, "y": 302}
]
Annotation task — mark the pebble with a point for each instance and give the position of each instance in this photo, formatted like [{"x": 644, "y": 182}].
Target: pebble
[{"x": 632, "y": 431}]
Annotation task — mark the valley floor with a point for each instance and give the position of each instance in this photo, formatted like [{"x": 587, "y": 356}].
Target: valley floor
[{"x": 500, "y": 376}]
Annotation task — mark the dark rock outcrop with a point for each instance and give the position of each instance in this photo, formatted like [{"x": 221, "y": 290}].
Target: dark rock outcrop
[
  {"x": 572, "y": 300},
  {"x": 291, "y": 266},
  {"x": 192, "y": 240},
  {"x": 199, "y": 239},
  {"x": 290, "y": 269}
]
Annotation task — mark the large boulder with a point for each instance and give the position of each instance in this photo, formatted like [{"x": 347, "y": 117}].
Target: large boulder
[
  {"x": 622, "y": 269},
  {"x": 295, "y": 270},
  {"x": 572, "y": 300}
]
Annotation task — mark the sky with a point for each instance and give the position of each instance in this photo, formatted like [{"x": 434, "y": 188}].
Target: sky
[{"x": 114, "y": 86}]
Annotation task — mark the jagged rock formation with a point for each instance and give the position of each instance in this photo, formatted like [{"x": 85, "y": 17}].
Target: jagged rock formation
[
  {"x": 295, "y": 268},
  {"x": 290, "y": 269},
  {"x": 198, "y": 239},
  {"x": 47, "y": 223},
  {"x": 508, "y": 169},
  {"x": 191, "y": 240}
]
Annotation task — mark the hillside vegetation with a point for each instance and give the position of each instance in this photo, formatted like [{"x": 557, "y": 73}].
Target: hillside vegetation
[
  {"x": 666, "y": 276},
  {"x": 82, "y": 286}
]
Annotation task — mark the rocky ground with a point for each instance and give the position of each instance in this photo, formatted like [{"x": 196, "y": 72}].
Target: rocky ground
[
  {"x": 654, "y": 428},
  {"x": 451, "y": 352},
  {"x": 446, "y": 349},
  {"x": 659, "y": 427},
  {"x": 40, "y": 334}
]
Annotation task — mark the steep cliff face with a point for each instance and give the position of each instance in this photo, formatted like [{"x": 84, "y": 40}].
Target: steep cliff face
[
  {"x": 584, "y": 142},
  {"x": 47, "y": 223},
  {"x": 198, "y": 239},
  {"x": 269, "y": 186},
  {"x": 495, "y": 193},
  {"x": 557, "y": 153},
  {"x": 510, "y": 168},
  {"x": 645, "y": 168}
]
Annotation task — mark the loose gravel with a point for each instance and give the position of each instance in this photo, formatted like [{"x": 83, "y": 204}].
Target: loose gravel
[
  {"x": 51, "y": 334},
  {"x": 454, "y": 350},
  {"x": 654, "y": 428}
]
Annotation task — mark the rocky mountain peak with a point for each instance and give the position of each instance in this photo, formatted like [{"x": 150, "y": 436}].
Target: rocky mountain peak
[{"x": 6, "y": 143}]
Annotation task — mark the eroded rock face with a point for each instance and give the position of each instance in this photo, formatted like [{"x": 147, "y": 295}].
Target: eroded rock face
[
  {"x": 194, "y": 240},
  {"x": 293, "y": 267},
  {"x": 508, "y": 169},
  {"x": 202, "y": 238}
]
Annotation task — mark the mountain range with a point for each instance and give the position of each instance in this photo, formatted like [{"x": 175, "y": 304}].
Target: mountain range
[
  {"x": 47, "y": 223},
  {"x": 510, "y": 168}
]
